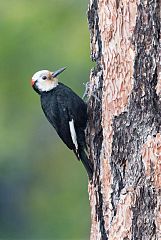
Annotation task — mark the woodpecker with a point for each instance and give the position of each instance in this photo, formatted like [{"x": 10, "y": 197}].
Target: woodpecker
[{"x": 65, "y": 111}]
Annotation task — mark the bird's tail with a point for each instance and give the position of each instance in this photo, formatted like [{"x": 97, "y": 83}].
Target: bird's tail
[{"x": 86, "y": 162}]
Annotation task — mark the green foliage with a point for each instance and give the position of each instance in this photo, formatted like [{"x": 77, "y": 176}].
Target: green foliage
[{"x": 43, "y": 187}]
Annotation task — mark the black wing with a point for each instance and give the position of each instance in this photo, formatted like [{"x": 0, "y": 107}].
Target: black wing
[{"x": 60, "y": 106}]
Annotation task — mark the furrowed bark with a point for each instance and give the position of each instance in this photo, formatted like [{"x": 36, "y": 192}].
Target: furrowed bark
[{"x": 124, "y": 126}]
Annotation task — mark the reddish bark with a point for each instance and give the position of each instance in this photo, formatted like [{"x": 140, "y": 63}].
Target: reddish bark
[{"x": 125, "y": 120}]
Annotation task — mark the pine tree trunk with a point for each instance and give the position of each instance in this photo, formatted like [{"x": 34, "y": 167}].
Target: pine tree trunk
[{"x": 125, "y": 120}]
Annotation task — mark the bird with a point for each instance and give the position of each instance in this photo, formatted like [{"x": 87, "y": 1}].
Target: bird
[{"x": 65, "y": 111}]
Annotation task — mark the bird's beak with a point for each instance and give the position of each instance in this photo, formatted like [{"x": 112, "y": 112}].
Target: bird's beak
[{"x": 56, "y": 73}]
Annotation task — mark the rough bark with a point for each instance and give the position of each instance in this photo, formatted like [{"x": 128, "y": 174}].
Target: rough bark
[{"x": 125, "y": 120}]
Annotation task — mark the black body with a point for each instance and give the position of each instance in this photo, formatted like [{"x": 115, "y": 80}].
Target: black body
[{"x": 60, "y": 106}]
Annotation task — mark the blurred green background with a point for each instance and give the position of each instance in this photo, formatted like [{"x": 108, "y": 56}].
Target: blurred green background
[{"x": 43, "y": 188}]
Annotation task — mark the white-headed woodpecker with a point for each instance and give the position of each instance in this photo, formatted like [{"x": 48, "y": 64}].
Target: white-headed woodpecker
[{"x": 66, "y": 112}]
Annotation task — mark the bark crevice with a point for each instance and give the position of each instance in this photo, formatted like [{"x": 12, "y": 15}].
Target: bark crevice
[{"x": 125, "y": 195}]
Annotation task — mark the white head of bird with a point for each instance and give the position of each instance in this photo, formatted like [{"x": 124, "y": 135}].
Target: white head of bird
[{"x": 44, "y": 80}]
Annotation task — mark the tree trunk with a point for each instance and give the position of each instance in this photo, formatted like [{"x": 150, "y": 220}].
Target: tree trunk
[{"x": 124, "y": 127}]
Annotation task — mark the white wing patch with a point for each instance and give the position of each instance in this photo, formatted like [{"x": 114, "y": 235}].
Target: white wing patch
[{"x": 73, "y": 133}]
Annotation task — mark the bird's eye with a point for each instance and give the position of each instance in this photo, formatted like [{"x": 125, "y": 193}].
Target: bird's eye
[{"x": 44, "y": 77}]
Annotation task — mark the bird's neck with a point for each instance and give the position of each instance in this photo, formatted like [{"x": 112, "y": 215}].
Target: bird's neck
[{"x": 46, "y": 89}]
